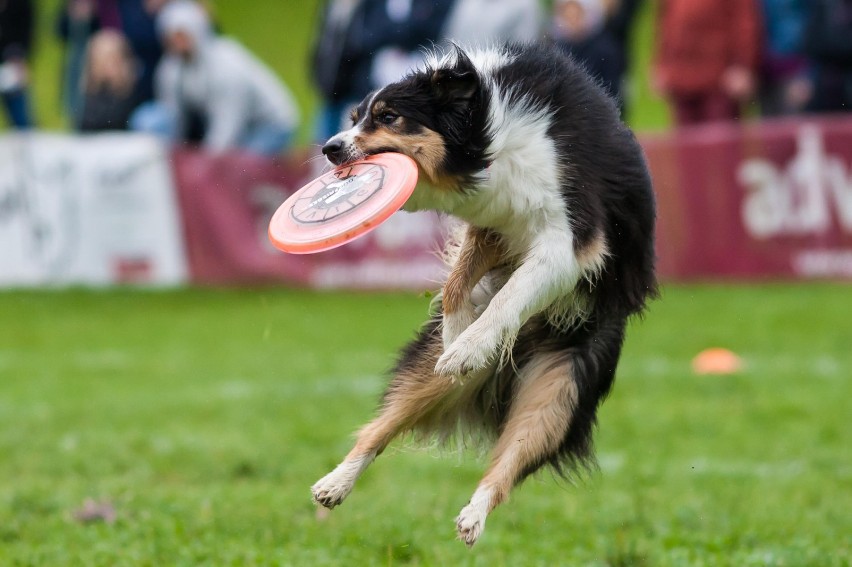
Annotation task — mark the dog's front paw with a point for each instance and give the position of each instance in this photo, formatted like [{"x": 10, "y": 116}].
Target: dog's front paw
[
  {"x": 456, "y": 323},
  {"x": 464, "y": 356}
]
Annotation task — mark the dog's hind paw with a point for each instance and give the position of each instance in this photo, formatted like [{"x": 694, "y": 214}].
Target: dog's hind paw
[
  {"x": 470, "y": 523},
  {"x": 329, "y": 491}
]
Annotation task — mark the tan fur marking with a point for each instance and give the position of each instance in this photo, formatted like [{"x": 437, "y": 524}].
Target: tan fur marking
[
  {"x": 414, "y": 393},
  {"x": 379, "y": 107},
  {"x": 592, "y": 257},
  {"x": 426, "y": 148},
  {"x": 480, "y": 252},
  {"x": 536, "y": 425}
]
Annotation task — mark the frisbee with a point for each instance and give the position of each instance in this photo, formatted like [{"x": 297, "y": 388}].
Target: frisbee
[{"x": 344, "y": 204}]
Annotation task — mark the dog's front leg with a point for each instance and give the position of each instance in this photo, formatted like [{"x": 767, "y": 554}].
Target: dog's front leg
[
  {"x": 480, "y": 252},
  {"x": 548, "y": 271}
]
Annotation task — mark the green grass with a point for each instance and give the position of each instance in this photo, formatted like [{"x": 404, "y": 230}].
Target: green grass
[
  {"x": 281, "y": 34},
  {"x": 203, "y": 416}
]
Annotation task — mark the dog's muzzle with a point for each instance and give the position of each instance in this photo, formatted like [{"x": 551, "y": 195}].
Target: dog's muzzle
[{"x": 335, "y": 151}]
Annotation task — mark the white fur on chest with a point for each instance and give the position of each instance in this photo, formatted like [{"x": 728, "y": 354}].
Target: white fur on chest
[{"x": 519, "y": 194}]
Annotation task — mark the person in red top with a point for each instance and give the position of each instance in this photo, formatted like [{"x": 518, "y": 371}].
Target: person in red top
[{"x": 707, "y": 57}]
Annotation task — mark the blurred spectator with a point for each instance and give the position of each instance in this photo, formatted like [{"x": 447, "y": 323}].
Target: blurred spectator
[
  {"x": 16, "y": 39},
  {"x": 579, "y": 30},
  {"x": 138, "y": 22},
  {"x": 134, "y": 18},
  {"x": 364, "y": 44},
  {"x": 621, "y": 17},
  {"x": 213, "y": 87},
  {"x": 76, "y": 24},
  {"x": 109, "y": 94},
  {"x": 828, "y": 44},
  {"x": 707, "y": 57},
  {"x": 484, "y": 22},
  {"x": 785, "y": 87}
]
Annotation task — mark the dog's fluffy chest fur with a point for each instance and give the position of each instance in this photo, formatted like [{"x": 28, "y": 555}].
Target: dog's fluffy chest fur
[{"x": 518, "y": 192}]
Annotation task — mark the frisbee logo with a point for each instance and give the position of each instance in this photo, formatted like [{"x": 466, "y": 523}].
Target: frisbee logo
[
  {"x": 331, "y": 200},
  {"x": 801, "y": 197},
  {"x": 336, "y": 191}
]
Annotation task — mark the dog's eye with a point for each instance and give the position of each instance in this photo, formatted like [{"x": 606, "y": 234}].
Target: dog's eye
[{"x": 387, "y": 117}]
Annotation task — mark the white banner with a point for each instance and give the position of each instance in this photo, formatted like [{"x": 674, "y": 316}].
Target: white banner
[{"x": 93, "y": 210}]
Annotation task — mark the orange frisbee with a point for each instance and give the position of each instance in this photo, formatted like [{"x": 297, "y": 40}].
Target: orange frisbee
[{"x": 343, "y": 204}]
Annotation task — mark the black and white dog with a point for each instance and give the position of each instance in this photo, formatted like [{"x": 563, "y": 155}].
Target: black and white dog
[{"x": 556, "y": 252}]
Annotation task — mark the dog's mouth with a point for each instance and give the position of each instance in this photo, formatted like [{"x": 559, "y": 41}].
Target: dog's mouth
[
  {"x": 353, "y": 154},
  {"x": 338, "y": 160}
]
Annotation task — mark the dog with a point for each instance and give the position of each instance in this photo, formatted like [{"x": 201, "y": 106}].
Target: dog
[{"x": 554, "y": 253}]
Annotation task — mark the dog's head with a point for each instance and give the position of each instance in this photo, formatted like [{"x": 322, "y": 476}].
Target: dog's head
[{"x": 435, "y": 116}]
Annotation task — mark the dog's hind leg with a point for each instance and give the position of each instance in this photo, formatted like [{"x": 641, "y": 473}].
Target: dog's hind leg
[
  {"x": 480, "y": 252},
  {"x": 413, "y": 393},
  {"x": 532, "y": 434}
]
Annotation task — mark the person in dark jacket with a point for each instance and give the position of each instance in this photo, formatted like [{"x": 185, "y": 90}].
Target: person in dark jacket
[
  {"x": 579, "y": 29},
  {"x": 135, "y": 19},
  {"x": 364, "y": 44},
  {"x": 109, "y": 85},
  {"x": 620, "y": 24},
  {"x": 828, "y": 44},
  {"x": 785, "y": 82},
  {"x": 16, "y": 40}
]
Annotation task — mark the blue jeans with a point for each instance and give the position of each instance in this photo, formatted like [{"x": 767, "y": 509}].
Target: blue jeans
[
  {"x": 18, "y": 108},
  {"x": 265, "y": 139},
  {"x": 154, "y": 118}
]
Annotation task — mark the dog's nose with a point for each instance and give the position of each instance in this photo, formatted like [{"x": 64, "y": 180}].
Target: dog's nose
[{"x": 333, "y": 150}]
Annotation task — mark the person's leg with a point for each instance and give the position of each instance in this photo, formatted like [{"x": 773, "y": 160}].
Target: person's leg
[
  {"x": 72, "y": 73},
  {"x": 716, "y": 106},
  {"x": 18, "y": 108},
  {"x": 685, "y": 110},
  {"x": 154, "y": 118}
]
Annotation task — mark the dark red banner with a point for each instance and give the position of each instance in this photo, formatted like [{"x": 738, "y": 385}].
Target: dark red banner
[
  {"x": 755, "y": 201},
  {"x": 735, "y": 201}
]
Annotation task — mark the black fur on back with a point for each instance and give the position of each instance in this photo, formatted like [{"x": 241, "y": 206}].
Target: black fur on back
[{"x": 606, "y": 184}]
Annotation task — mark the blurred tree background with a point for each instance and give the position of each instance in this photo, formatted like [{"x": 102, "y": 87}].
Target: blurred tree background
[{"x": 281, "y": 33}]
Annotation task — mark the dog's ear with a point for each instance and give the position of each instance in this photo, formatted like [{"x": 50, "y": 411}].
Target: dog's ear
[
  {"x": 458, "y": 82},
  {"x": 452, "y": 85}
]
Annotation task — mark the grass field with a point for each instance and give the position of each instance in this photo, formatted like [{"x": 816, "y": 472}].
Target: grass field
[{"x": 203, "y": 416}]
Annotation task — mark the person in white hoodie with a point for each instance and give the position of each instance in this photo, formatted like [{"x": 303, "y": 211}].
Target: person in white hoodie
[{"x": 214, "y": 85}]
